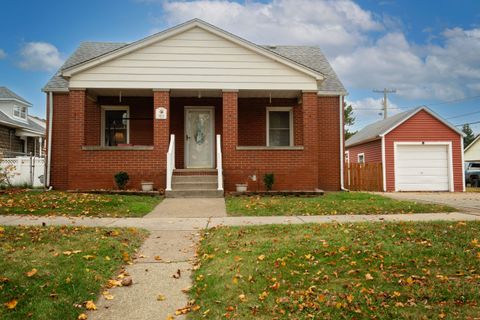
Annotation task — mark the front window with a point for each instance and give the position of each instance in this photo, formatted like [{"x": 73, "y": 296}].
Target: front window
[
  {"x": 115, "y": 126},
  {"x": 20, "y": 112},
  {"x": 279, "y": 127}
]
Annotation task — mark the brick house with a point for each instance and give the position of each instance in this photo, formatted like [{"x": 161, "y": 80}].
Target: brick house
[
  {"x": 418, "y": 150},
  {"x": 195, "y": 107},
  {"x": 20, "y": 133}
]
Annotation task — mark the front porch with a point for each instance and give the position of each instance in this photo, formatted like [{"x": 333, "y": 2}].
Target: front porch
[{"x": 155, "y": 135}]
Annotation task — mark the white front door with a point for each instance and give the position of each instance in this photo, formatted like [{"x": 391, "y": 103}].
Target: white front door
[
  {"x": 199, "y": 137},
  {"x": 421, "y": 167}
]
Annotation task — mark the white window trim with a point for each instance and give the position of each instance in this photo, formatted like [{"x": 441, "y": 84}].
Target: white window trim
[
  {"x": 283, "y": 109},
  {"x": 107, "y": 108},
  {"x": 361, "y": 155},
  {"x": 347, "y": 157},
  {"x": 448, "y": 144},
  {"x": 19, "y": 108}
]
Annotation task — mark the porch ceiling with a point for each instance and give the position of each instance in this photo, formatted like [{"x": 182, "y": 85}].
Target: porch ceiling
[{"x": 196, "y": 93}]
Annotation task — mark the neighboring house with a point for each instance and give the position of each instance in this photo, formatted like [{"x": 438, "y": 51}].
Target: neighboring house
[
  {"x": 472, "y": 151},
  {"x": 418, "y": 150},
  {"x": 117, "y": 106},
  {"x": 20, "y": 133}
]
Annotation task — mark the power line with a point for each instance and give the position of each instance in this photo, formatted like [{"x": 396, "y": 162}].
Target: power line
[
  {"x": 463, "y": 115},
  {"x": 469, "y": 123}
]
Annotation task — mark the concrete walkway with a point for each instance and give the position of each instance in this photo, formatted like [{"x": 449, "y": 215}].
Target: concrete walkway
[
  {"x": 464, "y": 201},
  {"x": 189, "y": 208}
]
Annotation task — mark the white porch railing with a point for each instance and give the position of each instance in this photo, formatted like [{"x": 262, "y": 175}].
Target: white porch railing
[
  {"x": 219, "y": 163},
  {"x": 170, "y": 162}
]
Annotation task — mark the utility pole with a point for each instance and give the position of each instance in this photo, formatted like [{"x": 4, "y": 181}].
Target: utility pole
[{"x": 385, "y": 92}]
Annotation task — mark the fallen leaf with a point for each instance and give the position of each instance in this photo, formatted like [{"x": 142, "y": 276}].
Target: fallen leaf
[
  {"x": 177, "y": 275},
  {"x": 161, "y": 297},
  {"x": 88, "y": 257},
  {"x": 89, "y": 305},
  {"x": 127, "y": 281},
  {"x": 11, "y": 304},
  {"x": 368, "y": 276},
  {"x": 32, "y": 272},
  {"x": 242, "y": 297},
  {"x": 82, "y": 316},
  {"x": 261, "y": 257},
  {"x": 158, "y": 258}
]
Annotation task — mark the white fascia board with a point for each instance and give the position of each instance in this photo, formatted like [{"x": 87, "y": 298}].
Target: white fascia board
[
  {"x": 182, "y": 28},
  {"x": 16, "y": 100}
]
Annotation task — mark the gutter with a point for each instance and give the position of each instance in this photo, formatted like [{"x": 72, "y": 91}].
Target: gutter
[
  {"x": 49, "y": 142},
  {"x": 341, "y": 115}
]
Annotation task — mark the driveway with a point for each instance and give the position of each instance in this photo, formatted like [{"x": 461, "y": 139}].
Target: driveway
[{"x": 463, "y": 201}]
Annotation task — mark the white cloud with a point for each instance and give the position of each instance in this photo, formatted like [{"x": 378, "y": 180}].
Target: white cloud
[
  {"x": 3, "y": 54},
  {"x": 368, "y": 110},
  {"x": 444, "y": 72},
  {"x": 368, "y": 50},
  {"x": 338, "y": 26},
  {"x": 41, "y": 56}
]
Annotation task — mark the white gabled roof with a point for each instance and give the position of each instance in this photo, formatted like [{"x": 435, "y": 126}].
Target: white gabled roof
[{"x": 123, "y": 50}]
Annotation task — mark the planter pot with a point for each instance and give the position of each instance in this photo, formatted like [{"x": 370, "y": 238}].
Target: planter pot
[
  {"x": 147, "y": 186},
  {"x": 241, "y": 187}
]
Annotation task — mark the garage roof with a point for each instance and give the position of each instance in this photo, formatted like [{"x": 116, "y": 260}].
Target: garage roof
[{"x": 378, "y": 129}]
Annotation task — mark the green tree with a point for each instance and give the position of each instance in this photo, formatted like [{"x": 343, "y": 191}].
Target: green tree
[
  {"x": 469, "y": 135},
  {"x": 349, "y": 120}
]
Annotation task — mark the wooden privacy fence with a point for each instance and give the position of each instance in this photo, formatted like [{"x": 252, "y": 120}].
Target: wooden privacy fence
[{"x": 364, "y": 177}]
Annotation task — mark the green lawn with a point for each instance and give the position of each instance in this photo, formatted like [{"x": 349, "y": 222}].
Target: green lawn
[
  {"x": 76, "y": 204},
  {"x": 333, "y": 203},
  {"x": 335, "y": 271},
  {"x": 50, "y": 272}
]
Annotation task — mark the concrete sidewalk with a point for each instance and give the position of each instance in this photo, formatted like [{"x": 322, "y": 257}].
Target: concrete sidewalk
[{"x": 192, "y": 224}]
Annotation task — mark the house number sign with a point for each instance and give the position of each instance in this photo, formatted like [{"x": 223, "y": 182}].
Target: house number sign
[{"x": 161, "y": 113}]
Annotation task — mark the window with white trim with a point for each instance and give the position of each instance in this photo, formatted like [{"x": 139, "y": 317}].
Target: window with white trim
[
  {"x": 361, "y": 158},
  {"x": 115, "y": 125},
  {"x": 20, "y": 112},
  {"x": 279, "y": 126}
]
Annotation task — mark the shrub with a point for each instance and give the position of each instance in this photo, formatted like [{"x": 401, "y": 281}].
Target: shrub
[
  {"x": 121, "y": 179},
  {"x": 269, "y": 180}
]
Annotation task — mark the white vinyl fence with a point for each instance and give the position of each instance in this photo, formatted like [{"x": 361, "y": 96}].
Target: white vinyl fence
[{"x": 26, "y": 170}]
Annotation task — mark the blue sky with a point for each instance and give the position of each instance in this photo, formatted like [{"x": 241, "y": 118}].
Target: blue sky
[{"x": 428, "y": 51}]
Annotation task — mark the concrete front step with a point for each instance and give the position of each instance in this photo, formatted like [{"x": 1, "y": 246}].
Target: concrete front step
[
  {"x": 194, "y": 185},
  {"x": 196, "y": 179},
  {"x": 194, "y": 193}
]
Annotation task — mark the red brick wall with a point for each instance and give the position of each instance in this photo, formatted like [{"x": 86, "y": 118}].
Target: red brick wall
[
  {"x": 74, "y": 168},
  {"x": 316, "y": 129},
  {"x": 293, "y": 169},
  {"x": 59, "y": 155},
  {"x": 252, "y": 120},
  {"x": 93, "y": 117},
  {"x": 423, "y": 127},
  {"x": 328, "y": 143},
  {"x": 372, "y": 151}
]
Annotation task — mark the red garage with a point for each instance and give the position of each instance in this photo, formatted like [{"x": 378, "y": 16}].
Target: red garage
[{"x": 418, "y": 150}]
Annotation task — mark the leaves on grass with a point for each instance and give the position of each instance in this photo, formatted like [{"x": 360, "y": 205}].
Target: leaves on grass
[
  {"x": 89, "y": 305},
  {"x": 11, "y": 304},
  {"x": 31, "y": 273}
]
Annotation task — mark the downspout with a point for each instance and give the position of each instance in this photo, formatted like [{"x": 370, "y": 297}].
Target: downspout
[
  {"x": 49, "y": 141},
  {"x": 342, "y": 157}
]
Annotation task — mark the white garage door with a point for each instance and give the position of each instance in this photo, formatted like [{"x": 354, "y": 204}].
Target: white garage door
[{"x": 421, "y": 168}]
